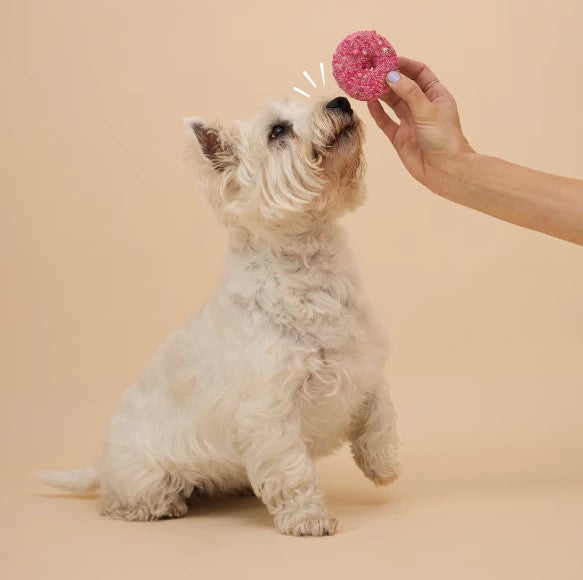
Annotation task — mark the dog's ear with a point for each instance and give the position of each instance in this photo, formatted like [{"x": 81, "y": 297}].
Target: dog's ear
[{"x": 213, "y": 142}]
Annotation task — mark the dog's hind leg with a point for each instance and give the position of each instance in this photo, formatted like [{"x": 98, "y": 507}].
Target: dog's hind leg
[
  {"x": 373, "y": 438},
  {"x": 142, "y": 492}
]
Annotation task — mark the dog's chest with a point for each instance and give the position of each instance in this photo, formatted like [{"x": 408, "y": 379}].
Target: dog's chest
[
  {"x": 317, "y": 312},
  {"x": 316, "y": 325},
  {"x": 314, "y": 302}
]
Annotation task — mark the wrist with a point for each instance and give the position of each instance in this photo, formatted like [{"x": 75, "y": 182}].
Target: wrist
[{"x": 448, "y": 171}]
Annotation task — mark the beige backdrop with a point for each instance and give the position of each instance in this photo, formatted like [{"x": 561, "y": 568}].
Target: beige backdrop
[{"x": 106, "y": 245}]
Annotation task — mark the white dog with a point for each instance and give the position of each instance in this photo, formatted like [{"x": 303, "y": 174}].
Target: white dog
[{"x": 285, "y": 361}]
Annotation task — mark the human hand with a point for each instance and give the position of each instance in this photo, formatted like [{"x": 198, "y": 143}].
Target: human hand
[{"x": 429, "y": 135}]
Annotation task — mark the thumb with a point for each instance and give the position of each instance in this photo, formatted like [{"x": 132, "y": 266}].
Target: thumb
[{"x": 410, "y": 92}]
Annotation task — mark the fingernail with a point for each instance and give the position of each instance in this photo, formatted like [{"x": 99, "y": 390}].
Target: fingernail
[{"x": 393, "y": 77}]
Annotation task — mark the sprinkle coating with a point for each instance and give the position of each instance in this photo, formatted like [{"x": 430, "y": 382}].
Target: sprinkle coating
[{"x": 361, "y": 62}]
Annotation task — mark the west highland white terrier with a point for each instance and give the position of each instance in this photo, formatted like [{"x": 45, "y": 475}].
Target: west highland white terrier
[{"x": 285, "y": 361}]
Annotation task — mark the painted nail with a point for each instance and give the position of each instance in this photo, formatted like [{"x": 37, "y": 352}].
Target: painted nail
[{"x": 393, "y": 77}]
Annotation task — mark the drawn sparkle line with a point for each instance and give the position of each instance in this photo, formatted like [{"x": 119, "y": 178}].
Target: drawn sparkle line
[
  {"x": 309, "y": 79},
  {"x": 301, "y": 92},
  {"x": 322, "y": 73}
]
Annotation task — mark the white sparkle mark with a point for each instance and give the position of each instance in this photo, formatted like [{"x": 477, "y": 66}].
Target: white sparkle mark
[
  {"x": 322, "y": 73},
  {"x": 301, "y": 92},
  {"x": 309, "y": 79}
]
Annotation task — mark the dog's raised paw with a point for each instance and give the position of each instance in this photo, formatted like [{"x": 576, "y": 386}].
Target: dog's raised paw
[{"x": 385, "y": 480}]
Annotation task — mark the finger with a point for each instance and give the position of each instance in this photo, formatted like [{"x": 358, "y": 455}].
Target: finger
[
  {"x": 402, "y": 110},
  {"x": 382, "y": 119},
  {"x": 397, "y": 104},
  {"x": 391, "y": 98},
  {"x": 422, "y": 75},
  {"x": 410, "y": 92},
  {"x": 417, "y": 71}
]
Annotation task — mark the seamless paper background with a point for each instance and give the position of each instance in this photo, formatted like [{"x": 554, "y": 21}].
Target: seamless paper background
[{"x": 107, "y": 245}]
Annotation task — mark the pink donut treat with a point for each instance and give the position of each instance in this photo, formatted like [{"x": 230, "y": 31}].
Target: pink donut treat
[{"x": 361, "y": 62}]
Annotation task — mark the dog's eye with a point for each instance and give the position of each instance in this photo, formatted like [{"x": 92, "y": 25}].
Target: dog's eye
[{"x": 278, "y": 131}]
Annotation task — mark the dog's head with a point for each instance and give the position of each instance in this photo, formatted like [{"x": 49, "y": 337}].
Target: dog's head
[{"x": 287, "y": 170}]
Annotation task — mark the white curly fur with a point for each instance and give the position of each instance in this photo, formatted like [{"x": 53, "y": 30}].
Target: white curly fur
[{"x": 285, "y": 361}]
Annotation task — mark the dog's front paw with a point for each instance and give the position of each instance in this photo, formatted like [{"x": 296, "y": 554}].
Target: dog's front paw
[
  {"x": 385, "y": 479},
  {"x": 381, "y": 467},
  {"x": 380, "y": 472},
  {"x": 321, "y": 524}
]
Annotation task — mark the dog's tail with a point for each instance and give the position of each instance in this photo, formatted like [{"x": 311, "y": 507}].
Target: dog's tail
[{"x": 77, "y": 480}]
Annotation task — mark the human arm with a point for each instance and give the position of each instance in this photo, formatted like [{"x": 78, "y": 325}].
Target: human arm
[{"x": 430, "y": 142}]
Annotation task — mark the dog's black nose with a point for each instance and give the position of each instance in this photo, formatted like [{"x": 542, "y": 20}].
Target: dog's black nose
[{"x": 341, "y": 103}]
